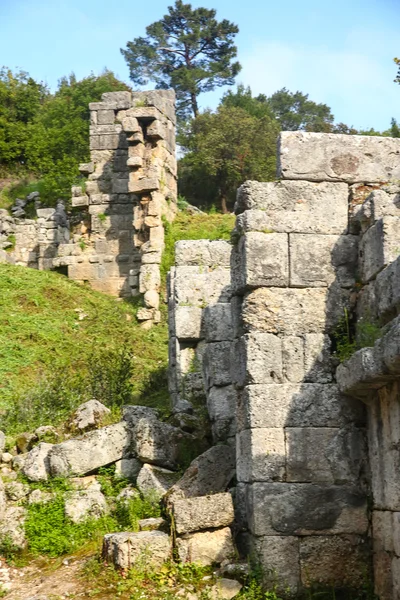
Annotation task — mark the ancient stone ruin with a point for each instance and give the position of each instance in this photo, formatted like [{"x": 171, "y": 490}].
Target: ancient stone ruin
[
  {"x": 115, "y": 241},
  {"x": 256, "y": 327}
]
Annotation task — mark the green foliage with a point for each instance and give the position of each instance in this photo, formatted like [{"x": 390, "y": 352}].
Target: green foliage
[
  {"x": 224, "y": 149},
  {"x": 193, "y": 227},
  {"x": 49, "y": 133},
  {"x": 188, "y": 50},
  {"x": 295, "y": 111},
  {"x": 349, "y": 336},
  {"x": 50, "y": 358}
]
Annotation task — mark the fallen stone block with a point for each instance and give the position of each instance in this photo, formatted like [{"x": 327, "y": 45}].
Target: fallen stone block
[
  {"x": 94, "y": 450},
  {"x": 335, "y": 157},
  {"x": 203, "y": 512},
  {"x": 84, "y": 504},
  {"x": 36, "y": 466},
  {"x": 206, "y": 547},
  {"x": 154, "y": 481},
  {"x": 89, "y": 415},
  {"x": 126, "y": 550},
  {"x": 12, "y": 526},
  {"x": 225, "y": 589},
  {"x": 153, "y": 524},
  {"x": 211, "y": 472}
]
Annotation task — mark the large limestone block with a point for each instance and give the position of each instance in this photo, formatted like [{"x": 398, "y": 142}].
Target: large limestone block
[
  {"x": 209, "y": 473},
  {"x": 203, "y": 512},
  {"x": 306, "y": 509},
  {"x": 200, "y": 286},
  {"x": 206, "y": 547},
  {"x": 217, "y": 322},
  {"x": 221, "y": 402},
  {"x": 365, "y": 371},
  {"x": 319, "y": 260},
  {"x": 217, "y": 364},
  {"x": 154, "y": 481},
  {"x": 379, "y": 203},
  {"x": 379, "y": 246},
  {"x": 120, "y": 99},
  {"x": 188, "y": 322},
  {"x": 340, "y": 561},
  {"x": 192, "y": 253},
  {"x": 319, "y": 363},
  {"x": 383, "y": 444},
  {"x": 293, "y": 358},
  {"x": 257, "y": 358},
  {"x": 279, "y": 558},
  {"x": 294, "y": 311},
  {"x": 263, "y": 260},
  {"x": 126, "y": 550},
  {"x": 387, "y": 291},
  {"x": 341, "y": 455},
  {"x": 162, "y": 444},
  {"x": 296, "y": 405},
  {"x": 261, "y": 455},
  {"x": 95, "y": 449},
  {"x": 333, "y": 157},
  {"x": 293, "y": 207}
]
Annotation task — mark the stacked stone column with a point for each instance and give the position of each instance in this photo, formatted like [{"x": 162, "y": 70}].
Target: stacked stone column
[
  {"x": 131, "y": 185},
  {"x": 301, "y": 444},
  {"x": 201, "y": 334}
]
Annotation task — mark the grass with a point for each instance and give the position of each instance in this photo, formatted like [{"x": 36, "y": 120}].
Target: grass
[
  {"x": 62, "y": 343},
  {"x": 18, "y": 188}
]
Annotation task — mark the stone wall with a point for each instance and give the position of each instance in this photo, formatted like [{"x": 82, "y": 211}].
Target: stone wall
[
  {"x": 200, "y": 328},
  {"x": 309, "y": 253},
  {"x": 372, "y": 373},
  {"x": 117, "y": 242}
]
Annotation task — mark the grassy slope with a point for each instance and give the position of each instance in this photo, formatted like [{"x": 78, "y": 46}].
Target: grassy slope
[{"x": 43, "y": 339}]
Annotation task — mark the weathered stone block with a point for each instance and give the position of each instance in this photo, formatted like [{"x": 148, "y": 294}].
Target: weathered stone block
[
  {"x": 293, "y": 358},
  {"x": 36, "y": 466},
  {"x": 379, "y": 246},
  {"x": 154, "y": 482},
  {"x": 279, "y": 558},
  {"x": 197, "y": 286},
  {"x": 318, "y": 361},
  {"x": 387, "y": 291},
  {"x": 340, "y": 561},
  {"x": 188, "y": 322},
  {"x": 341, "y": 456},
  {"x": 306, "y": 509},
  {"x": 217, "y": 364},
  {"x": 120, "y": 99},
  {"x": 261, "y": 455},
  {"x": 128, "y": 549},
  {"x": 203, "y": 512},
  {"x": 206, "y": 547},
  {"x": 363, "y": 373},
  {"x": 319, "y": 260},
  {"x": 293, "y": 207},
  {"x": 221, "y": 402},
  {"x": 95, "y": 449},
  {"x": 333, "y": 157},
  {"x": 80, "y": 201},
  {"x": 209, "y": 473},
  {"x": 149, "y": 278},
  {"x": 130, "y": 124},
  {"x": 296, "y": 405},
  {"x": 257, "y": 358},
  {"x": 217, "y": 321},
  {"x": 146, "y": 184},
  {"x": 264, "y": 260},
  {"x": 294, "y": 311}
]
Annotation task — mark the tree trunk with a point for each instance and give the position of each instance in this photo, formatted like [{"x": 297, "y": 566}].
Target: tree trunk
[
  {"x": 224, "y": 206},
  {"x": 195, "y": 107}
]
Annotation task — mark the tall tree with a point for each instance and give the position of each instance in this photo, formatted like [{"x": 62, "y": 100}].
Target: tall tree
[
  {"x": 295, "y": 111},
  {"x": 224, "y": 149},
  {"x": 188, "y": 50}
]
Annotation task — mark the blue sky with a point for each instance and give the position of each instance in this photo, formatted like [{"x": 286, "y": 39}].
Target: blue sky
[{"x": 338, "y": 52}]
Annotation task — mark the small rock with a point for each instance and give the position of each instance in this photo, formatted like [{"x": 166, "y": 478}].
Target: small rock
[
  {"x": 16, "y": 490},
  {"x": 225, "y": 589},
  {"x": 39, "y": 497},
  {"x": 12, "y": 525},
  {"x": 6, "y": 457},
  {"x": 36, "y": 466},
  {"x": 48, "y": 433},
  {"x": 25, "y": 442},
  {"x": 19, "y": 461},
  {"x": 89, "y": 415},
  {"x": 153, "y": 524}
]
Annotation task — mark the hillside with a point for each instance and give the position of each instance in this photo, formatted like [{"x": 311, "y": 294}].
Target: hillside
[{"x": 62, "y": 343}]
